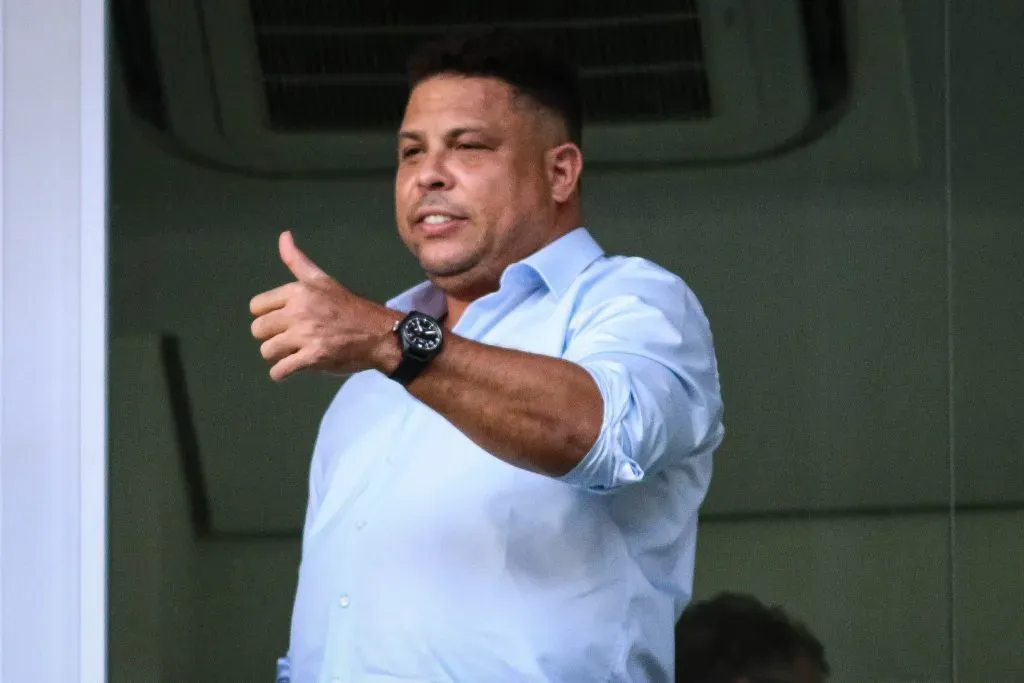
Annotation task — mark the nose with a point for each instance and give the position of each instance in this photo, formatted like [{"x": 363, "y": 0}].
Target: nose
[{"x": 433, "y": 173}]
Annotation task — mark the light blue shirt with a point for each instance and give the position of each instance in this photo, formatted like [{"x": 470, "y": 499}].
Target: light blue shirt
[{"x": 427, "y": 560}]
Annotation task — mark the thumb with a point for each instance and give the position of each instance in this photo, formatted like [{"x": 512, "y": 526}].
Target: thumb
[{"x": 302, "y": 266}]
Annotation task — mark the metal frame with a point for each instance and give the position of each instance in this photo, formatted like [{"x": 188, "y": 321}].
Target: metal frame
[{"x": 53, "y": 340}]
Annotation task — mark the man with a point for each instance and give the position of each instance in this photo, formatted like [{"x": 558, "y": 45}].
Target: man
[
  {"x": 735, "y": 638},
  {"x": 506, "y": 488}
]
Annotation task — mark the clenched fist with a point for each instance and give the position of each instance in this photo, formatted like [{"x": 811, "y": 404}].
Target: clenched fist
[{"x": 315, "y": 323}]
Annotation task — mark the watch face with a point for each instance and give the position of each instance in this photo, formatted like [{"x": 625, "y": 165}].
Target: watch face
[{"x": 422, "y": 333}]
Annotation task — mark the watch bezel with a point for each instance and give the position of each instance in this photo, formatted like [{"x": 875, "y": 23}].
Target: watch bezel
[{"x": 408, "y": 336}]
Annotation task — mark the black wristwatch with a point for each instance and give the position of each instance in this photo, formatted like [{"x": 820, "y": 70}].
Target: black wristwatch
[{"x": 421, "y": 338}]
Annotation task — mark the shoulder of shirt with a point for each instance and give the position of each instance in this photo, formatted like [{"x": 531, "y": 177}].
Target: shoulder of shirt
[{"x": 618, "y": 275}]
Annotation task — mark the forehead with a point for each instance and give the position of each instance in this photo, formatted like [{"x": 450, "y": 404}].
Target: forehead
[{"x": 452, "y": 100}]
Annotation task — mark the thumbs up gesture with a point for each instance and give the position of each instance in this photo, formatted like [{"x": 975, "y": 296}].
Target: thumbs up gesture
[{"x": 315, "y": 323}]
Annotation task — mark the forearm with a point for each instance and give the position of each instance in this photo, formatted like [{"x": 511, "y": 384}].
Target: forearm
[{"x": 539, "y": 413}]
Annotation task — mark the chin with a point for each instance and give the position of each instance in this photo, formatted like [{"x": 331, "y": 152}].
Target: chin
[
  {"x": 443, "y": 261},
  {"x": 445, "y": 269}
]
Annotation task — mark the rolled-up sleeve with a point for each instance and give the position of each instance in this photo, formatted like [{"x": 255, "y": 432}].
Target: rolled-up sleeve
[{"x": 648, "y": 346}]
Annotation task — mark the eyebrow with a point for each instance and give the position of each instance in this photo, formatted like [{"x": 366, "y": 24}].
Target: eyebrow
[{"x": 417, "y": 135}]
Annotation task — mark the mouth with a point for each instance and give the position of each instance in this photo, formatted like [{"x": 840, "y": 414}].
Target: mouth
[{"x": 437, "y": 222}]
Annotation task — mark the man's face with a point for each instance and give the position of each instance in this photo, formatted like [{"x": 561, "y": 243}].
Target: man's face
[{"x": 472, "y": 190}]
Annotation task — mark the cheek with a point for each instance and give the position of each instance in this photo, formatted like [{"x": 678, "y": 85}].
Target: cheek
[
  {"x": 501, "y": 187},
  {"x": 530, "y": 182},
  {"x": 401, "y": 191},
  {"x": 404, "y": 202}
]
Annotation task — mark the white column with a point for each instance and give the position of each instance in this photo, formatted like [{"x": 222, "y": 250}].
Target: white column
[{"x": 53, "y": 341}]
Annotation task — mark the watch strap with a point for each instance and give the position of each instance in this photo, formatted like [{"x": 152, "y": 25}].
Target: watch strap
[{"x": 408, "y": 369}]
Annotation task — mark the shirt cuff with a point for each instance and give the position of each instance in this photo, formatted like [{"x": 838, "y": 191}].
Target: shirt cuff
[{"x": 609, "y": 464}]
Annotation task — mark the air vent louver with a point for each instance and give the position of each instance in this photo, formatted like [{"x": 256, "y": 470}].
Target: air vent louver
[{"x": 340, "y": 66}]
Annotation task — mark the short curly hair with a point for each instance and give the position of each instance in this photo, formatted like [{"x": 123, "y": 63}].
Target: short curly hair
[
  {"x": 733, "y": 635},
  {"x": 531, "y": 66}
]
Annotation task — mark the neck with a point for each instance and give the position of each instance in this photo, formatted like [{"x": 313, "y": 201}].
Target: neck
[
  {"x": 455, "y": 310},
  {"x": 567, "y": 220}
]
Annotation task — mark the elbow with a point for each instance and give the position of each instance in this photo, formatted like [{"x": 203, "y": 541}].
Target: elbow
[
  {"x": 583, "y": 437},
  {"x": 578, "y": 428}
]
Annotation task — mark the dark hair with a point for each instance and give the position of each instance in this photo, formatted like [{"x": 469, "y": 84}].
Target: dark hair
[
  {"x": 533, "y": 68},
  {"x": 734, "y": 635}
]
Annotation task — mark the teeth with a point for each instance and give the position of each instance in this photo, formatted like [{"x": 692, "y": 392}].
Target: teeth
[{"x": 437, "y": 218}]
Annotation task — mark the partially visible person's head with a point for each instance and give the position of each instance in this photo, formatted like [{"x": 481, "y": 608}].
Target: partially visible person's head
[
  {"x": 490, "y": 147},
  {"x": 735, "y": 638}
]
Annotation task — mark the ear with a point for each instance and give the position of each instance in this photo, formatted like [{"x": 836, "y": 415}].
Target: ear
[{"x": 565, "y": 164}]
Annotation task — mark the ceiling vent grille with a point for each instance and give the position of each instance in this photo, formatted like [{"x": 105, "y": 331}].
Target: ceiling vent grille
[
  {"x": 337, "y": 66},
  {"x": 318, "y": 86}
]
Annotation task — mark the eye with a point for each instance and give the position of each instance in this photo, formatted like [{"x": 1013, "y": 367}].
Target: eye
[
  {"x": 471, "y": 145},
  {"x": 408, "y": 152}
]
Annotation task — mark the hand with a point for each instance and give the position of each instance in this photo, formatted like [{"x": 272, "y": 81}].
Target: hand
[{"x": 316, "y": 323}]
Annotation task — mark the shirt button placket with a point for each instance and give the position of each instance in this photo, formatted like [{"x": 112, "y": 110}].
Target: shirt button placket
[{"x": 339, "y": 661}]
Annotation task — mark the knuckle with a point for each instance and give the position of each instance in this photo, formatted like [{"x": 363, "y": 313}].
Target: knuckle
[{"x": 302, "y": 302}]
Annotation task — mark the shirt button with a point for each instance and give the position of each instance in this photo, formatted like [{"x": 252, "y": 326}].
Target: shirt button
[
  {"x": 360, "y": 524},
  {"x": 344, "y": 601}
]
